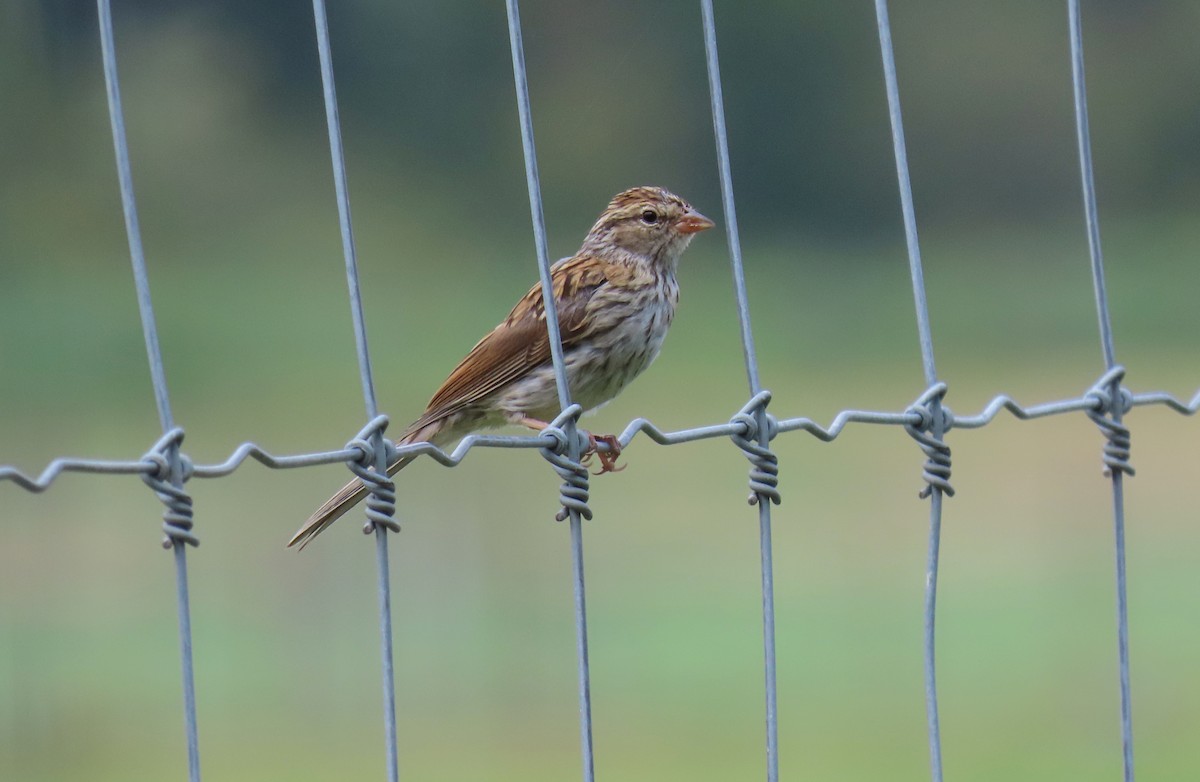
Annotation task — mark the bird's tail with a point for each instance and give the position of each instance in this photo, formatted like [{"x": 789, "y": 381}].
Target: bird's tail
[{"x": 356, "y": 491}]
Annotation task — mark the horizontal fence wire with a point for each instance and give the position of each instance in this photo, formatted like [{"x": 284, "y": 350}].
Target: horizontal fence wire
[
  {"x": 1089, "y": 402},
  {"x": 166, "y": 468}
]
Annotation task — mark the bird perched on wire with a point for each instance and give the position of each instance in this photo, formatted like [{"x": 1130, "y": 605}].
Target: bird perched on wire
[{"x": 615, "y": 300}]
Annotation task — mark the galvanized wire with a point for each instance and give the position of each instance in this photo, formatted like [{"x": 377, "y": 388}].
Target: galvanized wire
[
  {"x": 166, "y": 469},
  {"x": 760, "y": 455},
  {"x": 1117, "y": 449},
  {"x": 167, "y": 476},
  {"x": 565, "y": 458},
  {"x": 1088, "y": 402},
  {"x": 931, "y": 430},
  {"x": 381, "y": 505}
]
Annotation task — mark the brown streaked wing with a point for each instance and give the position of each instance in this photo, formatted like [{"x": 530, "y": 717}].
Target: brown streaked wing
[{"x": 521, "y": 343}]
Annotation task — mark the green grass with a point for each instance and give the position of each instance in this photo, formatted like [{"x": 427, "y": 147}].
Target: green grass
[{"x": 257, "y": 346}]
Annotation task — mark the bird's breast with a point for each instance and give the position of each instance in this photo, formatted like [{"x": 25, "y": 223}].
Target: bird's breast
[
  {"x": 627, "y": 326},
  {"x": 624, "y": 343}
]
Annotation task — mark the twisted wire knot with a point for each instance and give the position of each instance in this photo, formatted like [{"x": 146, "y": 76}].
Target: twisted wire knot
[
  {"x": 764, "y": 464},
  {"x": 934, "y": 419},
  {"x": 166, "y": 463},
  {"x": 1106, "y": 413},
  {"x": 381, "y": 500},
  {"x": 573, "y": 493}
]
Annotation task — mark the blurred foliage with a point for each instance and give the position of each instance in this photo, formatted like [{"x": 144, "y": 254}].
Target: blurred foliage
[
  {"x": 619, "y": 95},
  {"x": 231, "y": 169}
]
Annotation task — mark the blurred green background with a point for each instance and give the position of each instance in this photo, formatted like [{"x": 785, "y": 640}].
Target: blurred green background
[{"x": 232, "y": 175}]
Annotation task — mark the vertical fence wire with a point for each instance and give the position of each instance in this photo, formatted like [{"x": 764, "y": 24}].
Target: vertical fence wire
[
  {"x": 368, "y": 385},
  {"x": 521, "y": 82},
  {"x": 925, "y": 334},
  {"x": 1092, "y": 221},
  {"x": 1083, "y": 137},
  {"x": 157, "y": 372},
  {"x": 743, "y": 307},
  {"x": 175, "y": 462}
]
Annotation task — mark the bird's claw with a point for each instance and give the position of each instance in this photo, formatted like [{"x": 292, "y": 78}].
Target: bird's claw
[{"x": 608, "y": 458}]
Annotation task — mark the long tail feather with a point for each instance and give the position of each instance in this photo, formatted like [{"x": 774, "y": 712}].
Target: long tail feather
[
  {"x": 336, "y": 506},
  {"x": 435, "y": 431}
]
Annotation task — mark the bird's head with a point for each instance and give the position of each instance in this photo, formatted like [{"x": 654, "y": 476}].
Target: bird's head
[{"x": 649, "y": 222}]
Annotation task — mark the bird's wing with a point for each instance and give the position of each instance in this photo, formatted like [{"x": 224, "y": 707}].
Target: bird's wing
[
  {"x": 521, "y": 343},
  {"x": 517, "y": 345}
]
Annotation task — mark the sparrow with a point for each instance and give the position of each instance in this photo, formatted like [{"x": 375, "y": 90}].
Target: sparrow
[{"x": 615, "y": 300}]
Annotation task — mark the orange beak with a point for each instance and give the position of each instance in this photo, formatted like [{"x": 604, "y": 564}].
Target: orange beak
[{"x": 692, "y": 222}]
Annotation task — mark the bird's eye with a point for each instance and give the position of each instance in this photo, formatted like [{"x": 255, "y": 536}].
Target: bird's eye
[{"x": 649, "y": 217}]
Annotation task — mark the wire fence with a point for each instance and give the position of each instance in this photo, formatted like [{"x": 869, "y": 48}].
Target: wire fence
[{"x": 166, "y": 468}]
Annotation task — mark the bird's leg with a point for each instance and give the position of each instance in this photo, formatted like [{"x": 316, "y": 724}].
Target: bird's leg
[
  {"x": 608, "y": 458},
  {"x": 535, "y": 424}
]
